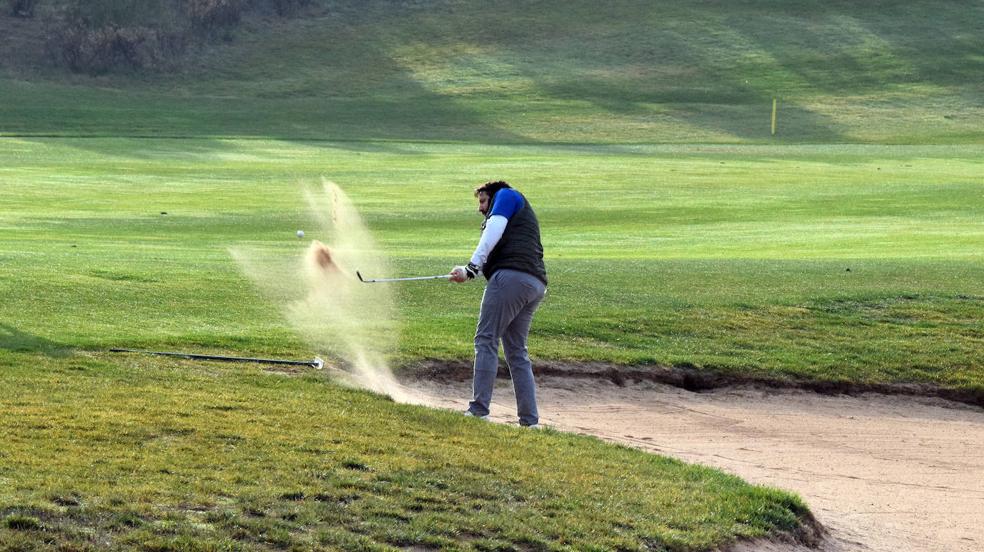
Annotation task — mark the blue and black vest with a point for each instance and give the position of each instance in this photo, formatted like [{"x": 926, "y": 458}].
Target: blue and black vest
[{"x": 519, "y": 248}]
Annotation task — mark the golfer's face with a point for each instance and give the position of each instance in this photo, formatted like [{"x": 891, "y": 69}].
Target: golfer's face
[{"x": 483, "y": 203}]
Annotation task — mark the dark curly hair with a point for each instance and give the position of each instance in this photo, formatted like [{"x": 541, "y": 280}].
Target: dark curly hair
[{"x": 491, "y": 187}]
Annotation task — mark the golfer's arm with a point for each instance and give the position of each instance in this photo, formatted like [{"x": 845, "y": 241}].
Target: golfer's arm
[{"x": 494, "y": 228}]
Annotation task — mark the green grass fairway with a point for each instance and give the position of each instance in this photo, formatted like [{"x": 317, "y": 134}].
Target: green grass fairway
[{"x": 833, "y": 263}]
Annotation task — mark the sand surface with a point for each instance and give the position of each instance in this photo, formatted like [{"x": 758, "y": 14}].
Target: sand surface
[{"x": 882, "y": 473}]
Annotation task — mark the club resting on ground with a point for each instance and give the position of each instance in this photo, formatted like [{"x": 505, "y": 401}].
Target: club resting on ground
[{"x": 316, "y": 363}]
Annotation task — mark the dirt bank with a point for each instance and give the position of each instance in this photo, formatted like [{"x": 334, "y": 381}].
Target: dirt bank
[{"x": 693, "y": 379}]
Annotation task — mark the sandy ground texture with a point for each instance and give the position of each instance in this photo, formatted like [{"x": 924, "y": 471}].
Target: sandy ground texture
[{"x": 881, "y": 473}]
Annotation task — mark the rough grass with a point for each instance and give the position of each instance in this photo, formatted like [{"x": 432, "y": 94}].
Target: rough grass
[{"x": 110, "y": 454}]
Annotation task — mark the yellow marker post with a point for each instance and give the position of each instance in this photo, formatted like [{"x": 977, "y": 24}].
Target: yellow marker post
[{"x": 773, "y": 116}]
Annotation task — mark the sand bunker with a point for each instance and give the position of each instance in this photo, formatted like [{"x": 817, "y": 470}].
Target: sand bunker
[{"x": 882, "y": 473}]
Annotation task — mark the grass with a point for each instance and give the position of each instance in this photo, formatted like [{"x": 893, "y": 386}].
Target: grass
[
  {"x": 831, "y": 263},
  {"x": 103, "y": 453},
  {"x": 109, "y": 452},
  {"x": 636, "y": 72},
  {"x": 729, "y": 258},
  {"x": 678, "y": 232}
]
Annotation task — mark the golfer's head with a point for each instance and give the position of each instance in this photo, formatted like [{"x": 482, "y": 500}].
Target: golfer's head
[{"x": 486, "y": 192}]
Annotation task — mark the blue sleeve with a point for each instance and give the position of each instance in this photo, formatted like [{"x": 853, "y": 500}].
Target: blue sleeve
[{"x": 507, "y": 202}]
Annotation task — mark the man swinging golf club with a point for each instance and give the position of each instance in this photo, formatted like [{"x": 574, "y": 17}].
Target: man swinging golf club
[{"x": 510, "y": 256}]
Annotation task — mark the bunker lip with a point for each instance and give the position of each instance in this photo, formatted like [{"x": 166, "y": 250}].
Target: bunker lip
[{"x": 694, "y": 379}]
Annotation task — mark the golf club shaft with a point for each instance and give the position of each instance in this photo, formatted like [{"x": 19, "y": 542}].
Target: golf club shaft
[
  {"x": 317, "y": 362},
  {"x": 379, "y": 280}
]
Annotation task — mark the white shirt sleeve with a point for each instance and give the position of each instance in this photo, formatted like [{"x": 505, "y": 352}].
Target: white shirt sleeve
[{"x": 494, "y": 227}]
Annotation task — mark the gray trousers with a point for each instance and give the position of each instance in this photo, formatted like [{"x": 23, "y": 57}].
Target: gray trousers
[{"x": 511, "y": 297}]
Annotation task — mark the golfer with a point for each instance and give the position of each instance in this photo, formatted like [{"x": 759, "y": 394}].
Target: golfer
[{"x": 510, "y": 256}]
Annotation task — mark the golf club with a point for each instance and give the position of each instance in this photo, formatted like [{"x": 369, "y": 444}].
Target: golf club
[
  {"x": 316, "y": 363},
  {"x": 379, "y": 280}
]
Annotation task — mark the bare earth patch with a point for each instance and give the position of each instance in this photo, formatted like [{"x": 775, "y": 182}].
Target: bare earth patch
[{"x": 882, "y": 473}]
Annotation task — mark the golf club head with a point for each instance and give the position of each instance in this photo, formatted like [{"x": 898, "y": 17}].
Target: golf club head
[
  {"x": 360, "y": 276},
  {"x": 318, "y": 363}
]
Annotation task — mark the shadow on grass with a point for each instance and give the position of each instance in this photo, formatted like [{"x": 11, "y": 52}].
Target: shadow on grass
[
  {"x": 16, "y": 341},
  {"x": 710, "y": 69},
  {"x": 370, "y": 120}
]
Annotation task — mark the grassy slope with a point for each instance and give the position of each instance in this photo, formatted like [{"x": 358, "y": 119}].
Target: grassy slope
[
  {"x": 102, "y": 453},
  {"x": 633, "y": 72}
]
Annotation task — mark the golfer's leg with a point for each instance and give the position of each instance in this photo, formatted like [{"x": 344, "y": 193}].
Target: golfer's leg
[
  {"x": 486, "y": 348},
  {"x": 517, "y": 355}
]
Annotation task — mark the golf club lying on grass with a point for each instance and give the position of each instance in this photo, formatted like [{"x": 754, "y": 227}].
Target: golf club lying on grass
[
  {"x": 378, "y": 280},
  {"x": 316, "y": 363}
]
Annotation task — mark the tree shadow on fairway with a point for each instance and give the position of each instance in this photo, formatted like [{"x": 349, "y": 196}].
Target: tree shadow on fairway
[
  {"x": 675, "y": 77},
  {"x": 16, "y": 341},
  {"x": 841, "y": 50},
  {"x": 380, "y": 76},
  {"x": 852, "y": 48},
  {"x": 363, "y": 93}
]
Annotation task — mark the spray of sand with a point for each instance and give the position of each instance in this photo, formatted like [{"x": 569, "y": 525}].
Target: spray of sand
[{"x": 352, "y": 324}]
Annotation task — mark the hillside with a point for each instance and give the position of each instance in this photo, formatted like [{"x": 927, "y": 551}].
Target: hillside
[{"x": 509, "y": 71}]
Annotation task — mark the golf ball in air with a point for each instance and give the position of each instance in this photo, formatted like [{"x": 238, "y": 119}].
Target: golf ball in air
[{"x": 300, "y": 233}]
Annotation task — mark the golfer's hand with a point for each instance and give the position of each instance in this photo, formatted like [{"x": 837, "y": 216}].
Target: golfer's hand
[
  {"x": 464, "y": 273},
  {"x": 458, "y": 274}
]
